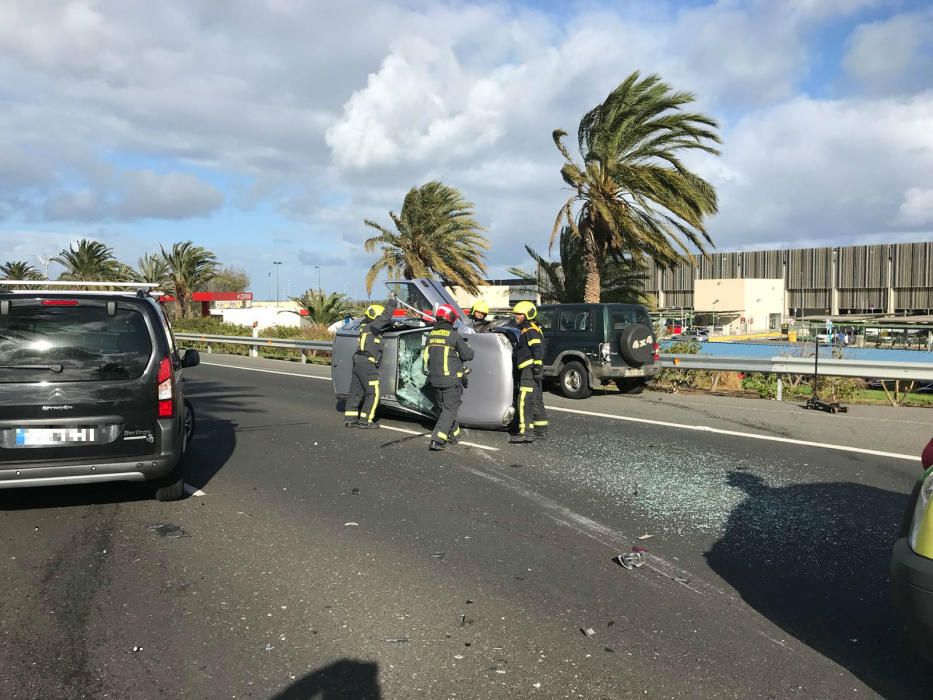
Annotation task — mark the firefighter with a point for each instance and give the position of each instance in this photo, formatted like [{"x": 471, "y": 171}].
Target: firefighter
[
  {"x": 363, "y": 397},
  {"x": 478, "y": 315},
  {"x": 444, "y": 355},
  {"x": 529, "y": 366}
]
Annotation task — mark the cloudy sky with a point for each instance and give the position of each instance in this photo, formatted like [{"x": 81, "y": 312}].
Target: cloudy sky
[{"x": 268, "y": 129}]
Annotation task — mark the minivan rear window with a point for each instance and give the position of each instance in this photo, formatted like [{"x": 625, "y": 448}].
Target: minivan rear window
[{"x": 72, "y": 344}]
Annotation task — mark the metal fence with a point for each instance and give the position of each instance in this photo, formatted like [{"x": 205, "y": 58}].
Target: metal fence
[{"x": 865, "y": 369}]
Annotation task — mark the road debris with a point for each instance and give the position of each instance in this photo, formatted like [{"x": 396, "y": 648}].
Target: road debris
[
  {"x": 638, "y": 549},
  {"x": 355, "y": 492},
  {"x": 269, "y": 647},
  {"x": 458, "y": 656},
  {"x": 397, "y": 640},
  {"x": 630, "y": 560},
  {"x": 137, "y": 649},
  {"x": 536, "y": 685},
  {"x": 438, "y": 555},
  {"x": 589, "y": 631},
  {"x": 167, "y": 530},
  {"x": 351, "y": 524},
  {"x": 646, "y": 536}
]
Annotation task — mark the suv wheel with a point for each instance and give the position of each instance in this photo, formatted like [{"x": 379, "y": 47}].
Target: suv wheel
[
  {"x": 172, "y": 485},
  {"x": 575, "y": 381},
  {"x": 631, "y": 386}
]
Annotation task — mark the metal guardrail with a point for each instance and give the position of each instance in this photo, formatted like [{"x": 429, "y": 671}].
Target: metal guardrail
[
  {"x": 911, "y": 371},
  {"x": 255, "y": 343},
  {"x": 865, "y": 369}
]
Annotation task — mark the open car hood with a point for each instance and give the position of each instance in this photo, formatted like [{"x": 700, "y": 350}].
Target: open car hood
[{"x": 425, "y": 296}]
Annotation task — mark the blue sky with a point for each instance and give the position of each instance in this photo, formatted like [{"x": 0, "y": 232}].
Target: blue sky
[{"x": 269, "y": 130}]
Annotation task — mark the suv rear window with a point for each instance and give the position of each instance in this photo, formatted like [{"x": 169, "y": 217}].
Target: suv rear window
[
  {"x": 620, "y": 317},
  {"x": 576, "y": 320},
  {"x": 72, "y": 344}
]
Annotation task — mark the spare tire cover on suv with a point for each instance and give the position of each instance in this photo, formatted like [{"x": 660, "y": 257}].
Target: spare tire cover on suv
[{"x": 636, "y": 343}]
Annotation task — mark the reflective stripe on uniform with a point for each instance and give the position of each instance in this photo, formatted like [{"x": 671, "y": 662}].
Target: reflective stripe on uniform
[
  {"x": 352, "y": 414},
  {"x": 539, "y": 362},
  {"x": 363, "y": 341},
  {"x": 524, "y": 364},
  {"x": 456, "y": 432},
  {"x": 375, "y": 386},
  {"x": 534, "y": 341},
  {"x": 442, "y": 436},
  {"x": 371, "y": 359},
  {"x": 521, "y": 411},
  {"x": 446, "y": 358},
  {"x": 540, "y": 423}
]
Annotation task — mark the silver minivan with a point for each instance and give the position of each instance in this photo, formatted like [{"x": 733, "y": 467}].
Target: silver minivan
[{"x": 403, "y": 383}]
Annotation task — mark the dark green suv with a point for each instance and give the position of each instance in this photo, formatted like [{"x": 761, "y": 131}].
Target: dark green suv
[{"x": 591, "y": 345}]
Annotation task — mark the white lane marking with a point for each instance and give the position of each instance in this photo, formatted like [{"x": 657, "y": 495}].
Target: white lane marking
[
  {"x": 420, "y": 434},
  {"x": 737, "y": 433},
  {"x": 649, "y": 421},
  {"x": 192, "y": 491},
  {"x": 267, "y": 371},
  {"x": 613, "y": 540}
]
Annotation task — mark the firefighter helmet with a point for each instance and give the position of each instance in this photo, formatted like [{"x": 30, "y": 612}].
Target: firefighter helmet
[
  {"x": 526, "y": 309},
  {"x": 445, "y": 313},
  {"x": 373, "y": 311},
  {"x": 479, "y": 306}
]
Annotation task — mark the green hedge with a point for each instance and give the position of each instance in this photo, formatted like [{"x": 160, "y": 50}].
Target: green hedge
[{"x": 215, "y": 326}]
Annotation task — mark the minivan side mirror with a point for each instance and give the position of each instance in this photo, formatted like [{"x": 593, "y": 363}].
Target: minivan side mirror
[{"x": 191, "y": 358}]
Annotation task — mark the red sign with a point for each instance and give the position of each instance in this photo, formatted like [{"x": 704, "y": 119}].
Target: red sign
[
  {"x": 213, "y": 296},
  {"x": 222, "y": 296}
]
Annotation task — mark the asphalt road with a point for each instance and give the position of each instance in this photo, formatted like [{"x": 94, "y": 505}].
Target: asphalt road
[{"x": 322, "y": 562}]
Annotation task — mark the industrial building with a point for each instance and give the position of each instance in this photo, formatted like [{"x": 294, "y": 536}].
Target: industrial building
[{"x": 863, "y": 279}]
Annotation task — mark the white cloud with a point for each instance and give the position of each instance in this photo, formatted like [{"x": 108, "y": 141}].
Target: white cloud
[
  {"x": 917, "y": 208},
  {"x": 822, "y": 171},
  {"x": 893, "y": 55},
  {"x": 330, "y": 112},
  {"x": 149, "y": 195}
]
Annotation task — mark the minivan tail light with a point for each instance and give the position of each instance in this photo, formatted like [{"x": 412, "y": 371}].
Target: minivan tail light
[
  {"x": 165, "y": 389},
  {"x": 59, "y": 302}
]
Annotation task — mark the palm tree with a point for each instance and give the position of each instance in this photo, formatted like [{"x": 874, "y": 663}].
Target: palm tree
[
  {"x": 632, "y": 195},
  {"x": 89, "y": 261},
  {"x": 190, "y": 268},
  {"x": 229, "y": 279},
  {"x": 435, "y": 234},
  {"x": 563, "y": 281},
  {"x": 324, "y": 309},
  {"x": 19, "y": 270},
  {"x": 152, "y": 268}
]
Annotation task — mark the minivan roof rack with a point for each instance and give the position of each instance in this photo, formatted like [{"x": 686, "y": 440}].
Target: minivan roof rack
[
  {"x": 139, "y": 289},
  {"x": 75, "y": 284}
]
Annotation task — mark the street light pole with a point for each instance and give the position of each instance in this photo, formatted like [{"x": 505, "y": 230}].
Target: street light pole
[{"x": 277, "y": 263}]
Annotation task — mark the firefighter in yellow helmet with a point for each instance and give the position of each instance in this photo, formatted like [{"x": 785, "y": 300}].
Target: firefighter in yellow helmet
[
  {"x": 363, "y": 397},
  {"x": 529, "y": 366},
  {"x": 479, "y": 313}
]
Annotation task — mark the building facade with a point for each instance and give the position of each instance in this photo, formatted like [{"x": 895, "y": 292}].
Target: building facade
[{"x": 894, "y": 278}]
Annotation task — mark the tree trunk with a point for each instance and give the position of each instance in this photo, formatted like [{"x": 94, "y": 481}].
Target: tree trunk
[{"x": 593, "y": 285}]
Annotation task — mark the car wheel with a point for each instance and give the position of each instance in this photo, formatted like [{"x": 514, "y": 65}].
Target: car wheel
[
  {"x": 631, "y": 386},
  {"x": 172, "y": 486},
  {"x": 189, "y": 423},
  {"x": 575, "y": 381}
]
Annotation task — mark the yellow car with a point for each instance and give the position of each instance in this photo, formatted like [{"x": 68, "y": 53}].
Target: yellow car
[{"x": 912, "y": 560}]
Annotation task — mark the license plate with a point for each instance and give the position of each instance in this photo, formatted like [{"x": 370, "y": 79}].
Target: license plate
[
  {"x": 635, "y": 372},
  {"x": 35, "y": 437}
]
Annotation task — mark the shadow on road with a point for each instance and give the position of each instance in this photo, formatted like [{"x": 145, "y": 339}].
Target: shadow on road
[
  {"x": 345, "y": 679},
  {"x": 813, "y": 558},
  {"x": 213, "y": 444}
]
